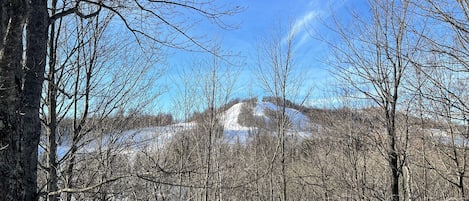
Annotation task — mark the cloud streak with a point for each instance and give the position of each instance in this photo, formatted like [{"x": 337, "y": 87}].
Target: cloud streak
[
  {"x": 300, "y": 24},
  {"x": 300, "y": 27},
  {"x": 304, "y": 24}
]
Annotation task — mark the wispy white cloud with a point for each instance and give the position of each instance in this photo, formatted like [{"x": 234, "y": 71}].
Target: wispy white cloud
[
  {"x": 300, "y": 29},
  {"x": 304, "y": 25},
  {"x": 301, "y": 23}
]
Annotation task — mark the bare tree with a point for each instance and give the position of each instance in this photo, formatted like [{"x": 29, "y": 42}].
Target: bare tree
[
  {"x": 84, "y": 101},
  {"x": 191, "y": 165},
  {"x": 446, "y": 96},
  {"x": 280, "y": 78},
  {"x": 217, "y": 85},
  {"x": 22, "y": 76},
  {"x": 373, "y": 59},
  {"x": 444, "y": 72}
]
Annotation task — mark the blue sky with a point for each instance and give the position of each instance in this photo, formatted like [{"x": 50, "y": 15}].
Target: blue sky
[{"x": 261, "y": 18}]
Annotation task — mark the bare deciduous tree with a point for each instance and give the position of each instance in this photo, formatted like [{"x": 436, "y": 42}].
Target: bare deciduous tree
[
  {"x": 280, "y": 77},
  {"x": 22, "y": 76},
  {"x": 374, "y": 58}
]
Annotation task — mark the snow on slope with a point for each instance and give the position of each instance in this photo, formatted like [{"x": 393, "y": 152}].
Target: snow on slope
[
  {"x": 230, "y": 118},
  {"x": 155, "y": 138},
  {"x": 129, "y": 141},
  {"x": 300, "y": 122},
  {"x": 234, "y": 132}
]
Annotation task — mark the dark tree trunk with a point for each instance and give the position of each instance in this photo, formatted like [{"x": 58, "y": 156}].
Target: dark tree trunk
[
  {"x": 394, "y": 164},
  {"x": 52, "y": 112},
  {"x": 21, "y": 79},
  {"x": 393, "y": 152},
  {"x": 11, "y": 170},
  {"x": 36, "y": 50}
]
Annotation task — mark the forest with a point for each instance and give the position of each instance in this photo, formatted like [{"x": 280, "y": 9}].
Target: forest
[{"x": 81, "y": 92}]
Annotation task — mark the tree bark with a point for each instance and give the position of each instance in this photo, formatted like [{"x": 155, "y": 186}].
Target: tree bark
[
  {"x": 36, "y": 50},
  {"x": 11, "y": 182},
  {"x": 21, "y": 77},
  {"x": 393, "y": 154}
]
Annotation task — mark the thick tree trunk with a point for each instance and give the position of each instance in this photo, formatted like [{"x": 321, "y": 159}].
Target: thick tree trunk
[
  {"x": 21, "y": 79},
  {"x": 393, "y": 152},
  {"x": 36, "y": 50},
  {"x": 11, "y": 171},
  {"x": 394, "y": 165}
]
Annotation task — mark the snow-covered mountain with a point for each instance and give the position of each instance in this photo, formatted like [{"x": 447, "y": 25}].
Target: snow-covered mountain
[
  {"x": 156, "y": 138},
  {"x": 235, "y": 131},
  {"x": 299, "y": 121},
  {"x": 241, "y": 122}
]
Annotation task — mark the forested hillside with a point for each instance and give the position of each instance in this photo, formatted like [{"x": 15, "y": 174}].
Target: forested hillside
[{"x": 329, "y": 154}]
